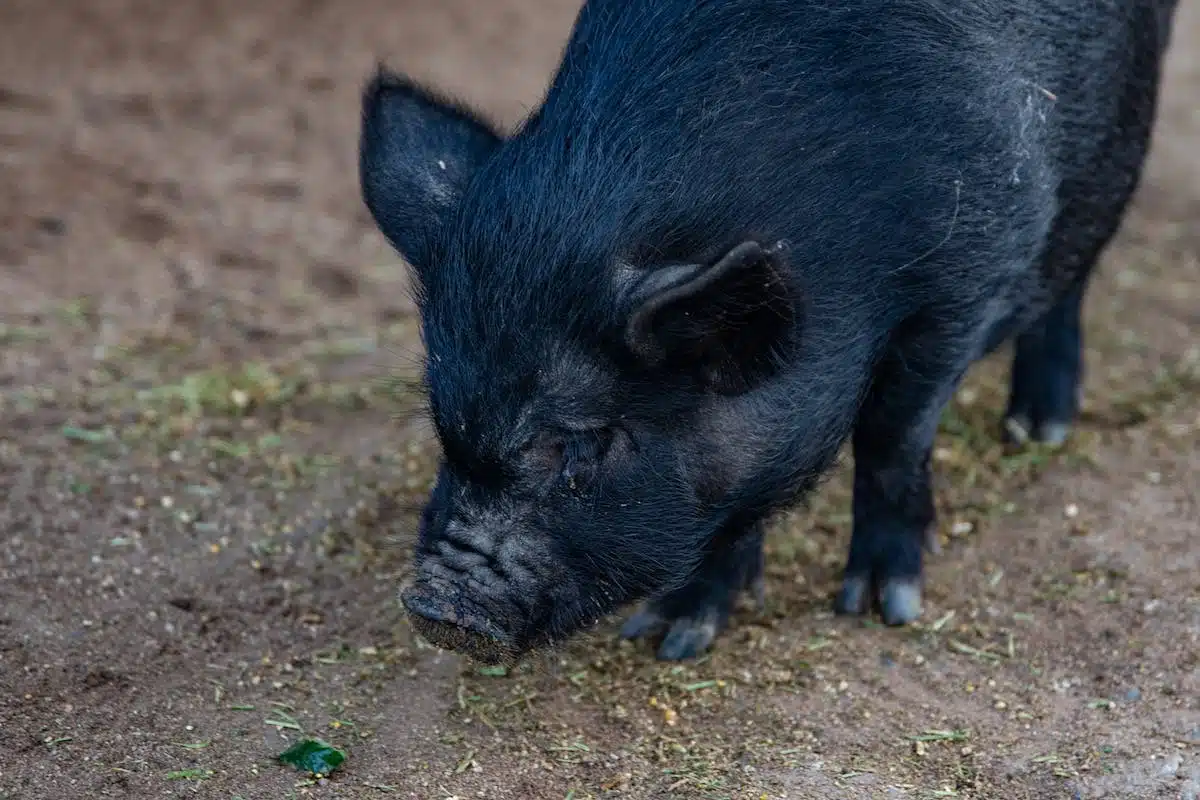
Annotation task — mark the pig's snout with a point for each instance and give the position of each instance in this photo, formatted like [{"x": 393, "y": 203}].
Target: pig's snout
[{"x": 448, "y": 620}]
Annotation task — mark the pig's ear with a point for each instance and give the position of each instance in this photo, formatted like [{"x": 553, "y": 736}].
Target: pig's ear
[
  {"x": 417, "y": 151},
  {"x": 729, "y": 322}
]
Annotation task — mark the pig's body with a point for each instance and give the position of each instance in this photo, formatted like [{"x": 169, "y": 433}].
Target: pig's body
[{"x": 735, "y": 234}]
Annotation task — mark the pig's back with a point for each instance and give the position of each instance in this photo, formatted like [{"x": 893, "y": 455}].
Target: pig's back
[
  {"x": 893, "y": 139},
  {"x": 697, "y": 69}
]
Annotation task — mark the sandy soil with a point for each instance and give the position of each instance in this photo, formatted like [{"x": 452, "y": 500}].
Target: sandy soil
[{"x": 208, "y": 491}]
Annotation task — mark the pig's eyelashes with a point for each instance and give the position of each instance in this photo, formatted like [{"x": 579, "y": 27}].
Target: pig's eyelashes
[
  {"x": 582, "y": 455},
  {"x": 571, "y": 460},
  {"x": 568, "y": 459}
]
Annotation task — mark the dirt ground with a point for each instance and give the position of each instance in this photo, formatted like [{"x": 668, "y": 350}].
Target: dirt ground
[{"x": 209, "y": 485}]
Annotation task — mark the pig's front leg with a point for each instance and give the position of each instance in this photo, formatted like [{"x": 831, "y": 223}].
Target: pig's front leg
[
  {"x": 694, "y": 614},
  {"x": 893, "y": 499}
]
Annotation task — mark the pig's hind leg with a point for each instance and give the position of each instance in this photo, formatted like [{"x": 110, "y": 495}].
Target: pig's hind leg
[
  {"x": 1046, "y": 373},
  {"x": 694, "y": 614}
]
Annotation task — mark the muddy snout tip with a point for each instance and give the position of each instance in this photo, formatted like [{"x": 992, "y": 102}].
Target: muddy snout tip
[{"x": 447, "y": 623}]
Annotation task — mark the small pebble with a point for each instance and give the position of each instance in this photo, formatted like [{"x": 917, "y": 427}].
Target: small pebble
[
  {"x": 1171, "y": 766},
  {"x": 52, "y": 225}
]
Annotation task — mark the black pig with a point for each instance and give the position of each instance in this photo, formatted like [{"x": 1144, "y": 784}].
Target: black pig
[{"x": 734, "y": 234}]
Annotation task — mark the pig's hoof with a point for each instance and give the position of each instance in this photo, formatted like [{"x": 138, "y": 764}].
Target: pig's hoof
[
  {"x": 1019, "y": 431},
  {"x": 689, "y": 637},
  {"x": 855, "y": 596},
  {"x": 899, "y": 599},
  {"x": 644, "y": 623},
  {"x": 686, "y": 637},
  {"x": 693, "y": 615},
  {"x": 1054, "y": 433}
]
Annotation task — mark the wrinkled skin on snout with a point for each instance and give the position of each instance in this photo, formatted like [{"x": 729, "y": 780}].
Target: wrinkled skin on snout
[{"x": 504, "y": 570}]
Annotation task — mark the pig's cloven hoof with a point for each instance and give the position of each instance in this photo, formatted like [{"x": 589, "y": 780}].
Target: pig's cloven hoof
[
  {"x": 1019, "y": 431},
  {"x": 687, "y": 637},
  {"x": 898, "y": 599},
  {"x": 695, "y": 614},
  {"x": 444, "y": 625}
]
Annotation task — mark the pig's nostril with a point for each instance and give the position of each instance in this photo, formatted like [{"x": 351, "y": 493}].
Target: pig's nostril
[
  {"x": 447, "y": 623},
  {"x": 423, "y": 602}
]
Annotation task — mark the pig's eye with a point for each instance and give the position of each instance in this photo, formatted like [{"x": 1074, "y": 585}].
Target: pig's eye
[
  {"x": 571, "y": 459},
  {"x": 582, "y": 454}
]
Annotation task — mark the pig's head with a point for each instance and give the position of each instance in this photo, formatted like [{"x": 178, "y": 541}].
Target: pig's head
[{"x": 590, "y": 404}]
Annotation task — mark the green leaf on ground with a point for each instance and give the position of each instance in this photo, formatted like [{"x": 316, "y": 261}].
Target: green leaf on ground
[{"x": 313, "y": 755}]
